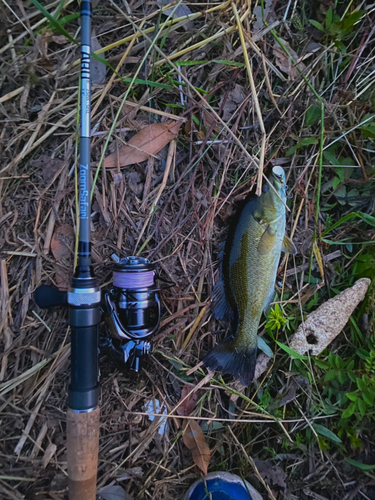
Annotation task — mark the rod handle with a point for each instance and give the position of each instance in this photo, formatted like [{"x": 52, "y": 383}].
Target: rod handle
[
  {"x": 49, "y": 296},
  {"x": 82, "y": 453}
]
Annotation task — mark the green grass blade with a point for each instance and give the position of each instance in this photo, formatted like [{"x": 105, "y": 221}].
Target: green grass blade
[
  {"x": 53, "y": 21},
  {"x": 359, "y": 465},
  {"x": 290, "y": 351},
  {"x": 353, "y": 215}
]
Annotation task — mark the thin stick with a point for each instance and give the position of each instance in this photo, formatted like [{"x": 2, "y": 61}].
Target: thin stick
[
  {"x": 171, "y": 153},
  {"x": 252, "y": 464},
  {"x": 268, "y": 83},
  {"x": 120, "y": 64},
  {"x": 233, "y": 420},
  {"x": 255, "y": 101}
]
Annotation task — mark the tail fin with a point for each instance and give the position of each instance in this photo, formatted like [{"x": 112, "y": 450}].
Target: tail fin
[{"x": 229, "y": 357}]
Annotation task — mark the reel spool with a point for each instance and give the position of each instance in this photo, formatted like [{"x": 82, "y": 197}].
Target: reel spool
[{"x": 131, "y": 309}]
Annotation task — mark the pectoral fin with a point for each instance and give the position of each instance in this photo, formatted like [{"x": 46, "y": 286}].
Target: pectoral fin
[
  {"x": 267, "y": 241},
  {"x": 260, "y": 217},
  {"x": 288, "y": 246},
  {"x": 263, "y": 346}
]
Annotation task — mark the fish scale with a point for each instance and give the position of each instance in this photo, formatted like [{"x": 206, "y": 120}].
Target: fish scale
[{"x": 247, "y": 277}]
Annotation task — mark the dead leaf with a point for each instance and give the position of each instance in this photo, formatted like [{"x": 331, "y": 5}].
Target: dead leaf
[
  {"x": 41, "y": 42},
  {"x": 324, "y": 324},
  {"x": 48, "y": 454},
  {"x": 106, "y": 26},
  {"x": 62, "y": 278},
  {"x": 98, "y": 69},
  {"x": 179, "y": 11},
  {"x": 59, "y": 482},
  {"x": 234, "y": 99},
  {"x": 272, "y": 474},
  {"x": 194, "y": 440},
  {"x": 319, "y": 259},
  {"x": 24, "y": 99},
  {"x": 289, "y": 392},
  {"x": 113, "y": 492},
  {"x": 106, "y": 217},
  {"x": 284, "y": 62},
  {"x": 135, "y": 182},
  {"x": 209, "y": 120},
  {"x": 149, "y": 141},
  {"x": 131, "y": 473},
  {"x": 49, "y": 166},
  {"x": 189, "y": 404},
  {"x": 59, "y": 39},
  {"x": 62, "y": 242},
  {"x": 259, "y": 16},
  {"x": 262, "y": 365},
  {"x": 117, "y": 178}
]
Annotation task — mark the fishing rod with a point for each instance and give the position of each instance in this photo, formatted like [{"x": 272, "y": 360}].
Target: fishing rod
[
  {"x": 83, "y": 300},
  {"x": 130, "y": 310}
]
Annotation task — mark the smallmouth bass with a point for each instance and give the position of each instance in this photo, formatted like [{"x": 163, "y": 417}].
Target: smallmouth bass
[{"x": 248, "y": 268}]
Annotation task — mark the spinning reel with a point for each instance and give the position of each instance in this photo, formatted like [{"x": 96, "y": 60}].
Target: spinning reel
[{"x": 131, "y": 310}]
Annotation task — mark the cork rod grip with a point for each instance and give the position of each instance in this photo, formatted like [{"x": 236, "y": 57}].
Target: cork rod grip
[{"x": 82, "y": 448}]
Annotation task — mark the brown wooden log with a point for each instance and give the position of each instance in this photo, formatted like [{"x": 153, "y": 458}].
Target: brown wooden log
[{"x": 83, "y": 449}]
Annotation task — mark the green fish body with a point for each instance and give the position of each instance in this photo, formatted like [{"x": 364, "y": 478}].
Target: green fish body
[{"x": 247, "y": 278}]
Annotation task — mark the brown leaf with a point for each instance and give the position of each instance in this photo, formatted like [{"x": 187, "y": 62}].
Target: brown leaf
[
  {"x": 179, "y": 11},
  {"x": 62, "y": 242},
  {"x": 259, "y": 15},
  {"x": 117, "y": 178},
  {"x": 272, "y": 474},
  {"x": 189, "y": 404},
  {"x": 49, "y": 166},
  {"x": 48, "y": 454},
  {"x": 41, "y": 42},
  {"x": 262, "y": 365},
  {"x": 135, "y": 182},
  {"x": 209, "y": 119},
  {"x": 24, "y": 99},
  {"x": 113, "y": 492},
  {"x": 235, "y": 98},
  {"x": 194, "y": 440},
  {"x": 284, "y": 62},
  {"x": 62, "y": 278},
  {"x": 326, "y": 322},
  {"x": 144, "y": 144},
  {"x": 98, "y": 69},
  {"x": 60, "y": 39}
]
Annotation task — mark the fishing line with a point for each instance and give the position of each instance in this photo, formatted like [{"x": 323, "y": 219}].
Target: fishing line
[{"x": 133, "y": 280}]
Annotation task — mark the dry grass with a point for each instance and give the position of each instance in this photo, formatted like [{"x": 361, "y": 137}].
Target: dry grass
[{"x": 174, "y": 210}]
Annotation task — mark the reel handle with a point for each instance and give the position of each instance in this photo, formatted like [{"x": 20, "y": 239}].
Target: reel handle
[{"x": 49, "y": 296}]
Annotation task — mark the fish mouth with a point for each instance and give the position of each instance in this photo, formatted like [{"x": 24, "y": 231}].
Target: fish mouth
[{"x": 278, "y": 174}]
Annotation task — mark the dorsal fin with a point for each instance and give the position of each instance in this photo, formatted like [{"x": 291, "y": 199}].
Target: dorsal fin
[{"x": 221, "y": 298}]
